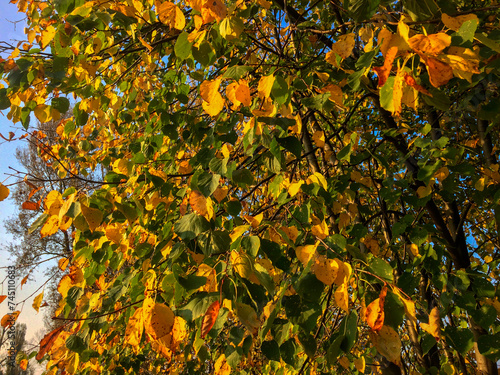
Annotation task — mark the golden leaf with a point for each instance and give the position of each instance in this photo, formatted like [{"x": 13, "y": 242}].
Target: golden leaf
[
  {"x": 294, "y": 188},
  {"x": 360, "y": 364},
  {"x": 63, "y": 263},
  {"x": 133, "y": 332},
  {"x": 4, "y": 192},
  {"x": 47, "y": 36},
  {"x": 9, "y": 319},
  {"x": 114, "y": 233},
  {"x": 291, "y": 232},
  {"x": 342, "y": 297},
  {"x": 24, "y": 280},
  {"x": 243, "y": 93},
  {"x": 171, "y": 15},
  {"x": 325, "y": 269},
  {"x": 265, "y": 86},
  {"x": 320, "y": 230},
  {"x": 241, "y": 264},
  {"x": 317, "y": 178},
  {"x": 434, "y": 325},
  {"x": 50, "y": 227},
  {"x": 387, "y": 343},
  {"x": 213, "y": 10},
  {"x": 160, "y": 321},
  {"x": 23, "y": 365},
  {"x": 374, "y": 314},
  {"x": 37, "y": 301},
  {"x": 432, "y": 44},
  {"x": 213, "y": 100},
  {"x": 254, "y": 221},
  {"x": 305, "y": 253},
  {"x": 238, "y": 231},
  {"x": 221, "y": 366},
  {"x": 53, "y": 202},
  {"x": 344, "y": 45},
  {"x": 231, "y": 95},
  {"x": 200, "y": 204},
  {"x": 462, "y": 68},
  {"x": 384, "y": 71},
  {"x": 64, "y": 285},
  {"x": 48, "y": 341},
  {"x": 93, "y": 216},
  {"x": 319, "y": 138}
]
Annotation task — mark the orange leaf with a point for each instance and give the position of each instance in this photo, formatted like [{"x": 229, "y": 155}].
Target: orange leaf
[
  {"x": 24, "y": 280},
  {"x": 2, "y": 298},
  {"x": 374, "y": 314},
  {"x": 384, "y": 71},
  {"x": 434, "y": 325},
  {"x": 30, "y": 206},
  {"x": 50, "y": 227},
  {"x": 243, "y": 93},
  {"x": 454, "y": 23},
  {"x": 209, "y": 318},
  {"x": 4, "y": 192},
  {"x": 439, "y": 72},
  {"x": 410, "y": 81},
  {"x": 200, "y": 204},
  {"x": 47, "y": 342},
  {"x": 34, "y": 190},
  {"x": 171, "y": 15},
  {"x": 9, "y": 319},
  {"x": 23, "y": 365}
]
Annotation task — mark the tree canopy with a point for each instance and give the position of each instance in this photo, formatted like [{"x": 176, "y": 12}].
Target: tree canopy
[{"x": 290, "y": 186}]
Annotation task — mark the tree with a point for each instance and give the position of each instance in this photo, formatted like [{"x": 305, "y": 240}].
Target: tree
[
  {"x": 20, "y": 344},
  {"x": 305, "y": 187}
]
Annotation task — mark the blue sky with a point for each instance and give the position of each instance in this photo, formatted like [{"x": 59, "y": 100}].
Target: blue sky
[{"x": 12, "y": 31}]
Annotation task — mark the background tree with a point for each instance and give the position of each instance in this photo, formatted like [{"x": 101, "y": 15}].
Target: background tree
[{"x": 297, "y": 187}]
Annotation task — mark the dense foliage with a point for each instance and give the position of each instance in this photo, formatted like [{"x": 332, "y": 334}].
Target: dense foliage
[{"x": 291, "y": 186}]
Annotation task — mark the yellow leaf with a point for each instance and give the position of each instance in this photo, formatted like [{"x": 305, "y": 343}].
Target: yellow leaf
[
  {"x": 241, "y": 264},
  {"x": 344, "y": 272},
  {"x": 114, "y": 233},
  {"x": 319, "y": 138},
  {"x": 213, "y": 100},
  {"x": 305, "y": 253},
  {"x": 342, "y": 47},
  {"x": 325, "y": 269},
  {"x": 441, "y": 174},
  {"x": 454, "y": 23},
  {"x": 374, "y": 313},
  {"x": 317, "y": 178},
  {"x": 320, "y": 230},
  {"x": 336, "y": 94},
  {"x": 432, "y": 44},
  {"x": 434, "y": 325},
  {"x": 4, "y": 192},
  {"x": 121, "y": 166},
  {"x": 238, "y": 231},
  {"x": 291, "y": 232},
  {"x": 267, "y": 109},
  {"x": 47, "y": 36},
  {"x": 37, "y": 301},
  {"x": 160, "y": 322},
  {"x": 254, "y": 221},
  {"x": 64, "y": 285},
  {"x": 50, "y": 227},
  {"x": 409, "y": 306},
  {"x": 93, "y": 216},
  {"x": 265, "y": 86},
  {"x": 243, "y": 93},
  {"x": 171, "y": 15},
  {"x": 53, "y": 202},
  {"x": 424, "y": 191},
  {"x": 231, "y": 28},
  {"x": 387, "y": 343},
  {"x": 342, "y": 297},
  {"x": 247, "y": 315},
  {"x": 294, "y": 188},
  {"x": 462, "y": 68},
  {"x": 360, "y": 364},
  {"x": 480, "y": 184},
  {"x": 344, "y": 362},
  {"x": 134, "y": 329},
  {"x": 414, "y": 250},
  {"x": 221, "y": 366},
  {"x": 23, "y": 364}
]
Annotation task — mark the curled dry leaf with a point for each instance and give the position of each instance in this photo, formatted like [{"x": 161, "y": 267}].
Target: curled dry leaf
[{"x": 47, "y": 342}]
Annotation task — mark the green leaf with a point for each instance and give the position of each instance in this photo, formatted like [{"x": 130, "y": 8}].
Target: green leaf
[
  {"x": 251, "y": 244},
  {"x": 271, "y": 350},
  {"x": 205, "y": 182},
  {"x": 190, "y": 226},
  {"x": 75, "y": 344},
  {"x": 4, "y": 100},
  {"x": 468, "y": 30},
  {"x": 361, "y": 10},
  {"x": 291, "y": 144},
  {"x": 40, "y": 220},
  {"x": 182, "y": 46},
  {"x": 382, "y": 269},
  {"x": 280, "y": 90},
  {"x": 421, "y": 10},
  {"x": 242, "y": 177},
  {"x": 317, "y": 101},
  {"x": 287, "y": 351},
  {"x": 214, "y": 242},
  {"x": 236, "y": 71},
  {"x": 489, "y": 345},
  {"x": 61, "y": 104},
  {"x": 461, "y": 339},
  {"x": 308, "y": 342}
]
